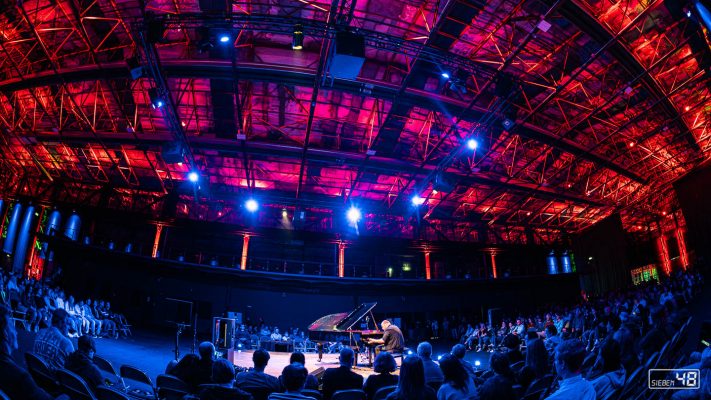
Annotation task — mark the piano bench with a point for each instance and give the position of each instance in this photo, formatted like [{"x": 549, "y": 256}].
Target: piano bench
[{"x": 401, "y": 355}]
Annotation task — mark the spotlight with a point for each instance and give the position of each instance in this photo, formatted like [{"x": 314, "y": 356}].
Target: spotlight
[
  {"x": 439, "y": 357},
  {"x": 156, "y": 98},
  {"x": 445, "y": 75},
  {"x": 284, "y": 213},
  {"x": 251, "y": 205},
  {"x": 224, "y": 38},
  {"x": 477, "y": 363},
  {"x": 472, "y": 144},
  {"x": 409, "y": 352},
  {"x": 417, "y": 200},
  {"x": 354, "y": 215},
  {"x": 193, "y": 177},
  {"x": 297, "y": 41},
  {"x": 688, "y": 13}
]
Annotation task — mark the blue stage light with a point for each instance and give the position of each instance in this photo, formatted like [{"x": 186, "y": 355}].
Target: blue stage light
[
  {"x": 472, "y": 144},
  {"x": 417, "y": 200},
  {"x": 193, "y": 177},
  {"x": 354, "y": 215},
  {"x": 445, "y": 75},
  {"x": 224, "y": 38},
  {"x": 251, "y": 205}
]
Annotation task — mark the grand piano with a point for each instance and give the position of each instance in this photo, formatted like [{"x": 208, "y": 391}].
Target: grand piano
[{"x": 348, "y": 328}]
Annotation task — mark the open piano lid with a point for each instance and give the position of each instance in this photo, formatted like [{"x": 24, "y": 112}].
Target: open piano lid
[{"x": 342, "y": 321}]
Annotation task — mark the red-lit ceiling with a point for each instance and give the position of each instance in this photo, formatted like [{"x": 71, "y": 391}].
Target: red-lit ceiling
[{"x": 608, "y": 101}]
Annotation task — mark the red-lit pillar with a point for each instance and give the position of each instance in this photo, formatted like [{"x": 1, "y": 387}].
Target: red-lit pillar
[
  {"x": 663, "y": 254},
  {"x": 428, "y": 267},
  {"x": 245, "y": 252},
  {"x": 492, "y": 253},
  {"x": 682, "y": 248},
  {"x": 156, "y": 240},
  {"x": 341, "y": 259}
]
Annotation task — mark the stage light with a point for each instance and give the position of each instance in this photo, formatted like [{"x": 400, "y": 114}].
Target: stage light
[
  {"x": 445, "y": 75},
  {"x": 417, "y": 200},
  {"x": 688, "y": 13},
  {"x": 297, "y": 41},
  {"x": 472, "y": 144},
  {"x": 155, "y": 98},
  {"x": 284, "y": 213},
  {"x": 193, "y": 177},
  {"x": 224, "y": 38},
  {"x": 251, "y": 205},
  {"x": 439, "y": 357},
  {"x": 477, "y": 363},
  {"x": 409, "y": 352},
  {"x": 354, "y": 215}
]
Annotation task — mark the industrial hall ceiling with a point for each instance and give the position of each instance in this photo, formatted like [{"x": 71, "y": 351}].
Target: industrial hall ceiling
[{"x": 483, "y": 121}]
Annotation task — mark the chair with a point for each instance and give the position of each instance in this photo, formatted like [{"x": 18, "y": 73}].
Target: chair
[
  {"x": 515, "y": 367},
  {"x": 104, "y": 365},
  {"x": 74, "y": 386},
  {"x": 166, "y": 393},
  {"x": 123, "y": 326},
  {"x": 351, "y": 394},
  {"x": 135, "y": 374},
  {"x": 631, "y": 384},
  {"x": 42, "y": 375},
  {"x": 3, "y": 396},
  {"x": 540, "y": 384},
  {"x": 314, "y": 394},
  {"x": 383, "y": 392},
  {"x": 104, "y": 393},
  {"x": 171, "y": 382},
  {"x": 651, "y": 361}
]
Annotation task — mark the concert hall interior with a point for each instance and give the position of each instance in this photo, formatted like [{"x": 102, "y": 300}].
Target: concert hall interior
[{"x": 355, "y": 199}]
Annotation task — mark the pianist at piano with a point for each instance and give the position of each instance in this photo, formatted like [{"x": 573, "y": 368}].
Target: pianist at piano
[{"x": 392, "y": 340}]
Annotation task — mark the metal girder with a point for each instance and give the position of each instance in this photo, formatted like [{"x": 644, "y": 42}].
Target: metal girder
[{"x": 305, "y": 77}]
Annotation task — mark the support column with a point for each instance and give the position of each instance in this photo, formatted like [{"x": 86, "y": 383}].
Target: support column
[
  {"x": 24, "y": 237},
  {"x": 245, "y": 252},
  {"x": 15, "y": 216},
  {"x": 428, "y": 267},
  {"x": 663, "y": 254},
  {"x": 156, "y": 240},
  {"x": 341, "y": 259},
  {"x": 682, "y": 248},
  {"x": 492, "y": 253}
]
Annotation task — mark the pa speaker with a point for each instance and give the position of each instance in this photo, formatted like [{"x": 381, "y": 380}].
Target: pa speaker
[{"x": 348, "y": 55}]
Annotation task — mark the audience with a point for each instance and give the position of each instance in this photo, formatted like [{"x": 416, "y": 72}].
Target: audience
[
  {"x": 222, "y": 387},
  {"x": 52, "y": 344},
  {"x": 412, "y": 384},
  {"x": 383, "y": 367},
  {"x": 299, "y": 358},
  {"x": 613, "y": 374},
  {"x": 256, "y": 381},
  {"x": 536, "y": 363},
  {"x": 293, "y": 378},
  {"x": 81, "y": 362},
  {"x": 459, "y": 351},
  {"x": 458, "y": 385},
  {"x": 341, "y": 378},
  {"x": 433, "y": 375},
  {"x": 568, "y": 359}
]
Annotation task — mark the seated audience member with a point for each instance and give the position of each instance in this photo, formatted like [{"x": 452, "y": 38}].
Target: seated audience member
[
  {"x": 14, "y": 381},
  {"x": 569, "y": 357},
  {"x": 458, "y": 385},
  {"x": 610, "y": 366},
  {"x": 536, "y": 363},
  {"x": 185, "y": 370},
  {"x": 513, "y": 344},
  {"x": 293, "y": 378},
  {"x": 552, "y": 338},
  {"x": 52, "y": 344},
  {"x": 256, "y": 381},
  {"x": 203, "y": 372},
  {"x": 383, "y": 367},
  {"x": 105, "y": 318},
  {"x": 341, "y": 378},
  {"x": 655, "y": 337},
  {"x": 81, "y": 362},
  {"x": 433, "y": 375},
  {"x": 311, "y": 381},
  {"x": 412, "y": 384},
  {"x": 460, "y": 351},
  {"x": 497, "y": 388},
  {"x": 222, "y": 387},
  {"x": 276, "y": 336},
  {"x": 89, "y": 315},
  {"x": 499, "y": 364},
  {"x": 704, "y": 391}
]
